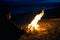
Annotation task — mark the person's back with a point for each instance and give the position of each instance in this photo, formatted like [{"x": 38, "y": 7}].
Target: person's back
[{"x": 10, "y": 31}]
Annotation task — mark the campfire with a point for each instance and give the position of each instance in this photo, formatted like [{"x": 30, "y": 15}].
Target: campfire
[
  {"x": 37, "y": 26},
  {"x": 34, "y": 26},
  {"x": 41, "y": 29}
]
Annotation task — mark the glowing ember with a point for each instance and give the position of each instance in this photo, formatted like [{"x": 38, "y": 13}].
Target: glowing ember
[{"x": 34, "y": 24}]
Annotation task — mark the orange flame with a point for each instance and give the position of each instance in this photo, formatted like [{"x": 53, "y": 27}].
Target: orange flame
[{"x": 33, "y": 25}]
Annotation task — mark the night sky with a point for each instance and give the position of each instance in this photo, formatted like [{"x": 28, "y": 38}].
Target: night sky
[
  {"x": 22, "y": 6},
  {"x": 28, "y": 8}
]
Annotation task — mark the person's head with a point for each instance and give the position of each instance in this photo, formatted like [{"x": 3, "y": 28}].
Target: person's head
[
  {"x": 5, "y": 14},
  {"x": 8, "y": 16}
]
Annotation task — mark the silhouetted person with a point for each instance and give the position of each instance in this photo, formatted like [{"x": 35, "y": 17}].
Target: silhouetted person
[{"x": 8, "y": 30}]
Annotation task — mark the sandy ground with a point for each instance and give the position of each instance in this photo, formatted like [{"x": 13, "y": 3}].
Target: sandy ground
[{"x": 52, "y": 31}]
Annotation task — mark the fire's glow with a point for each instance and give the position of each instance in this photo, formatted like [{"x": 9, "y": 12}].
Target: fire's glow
[{"x": 34, "y": 24}]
